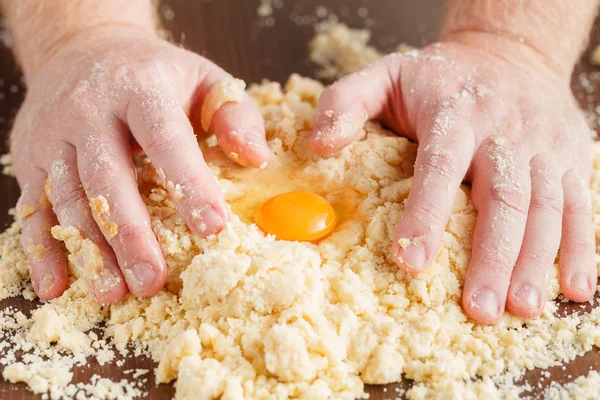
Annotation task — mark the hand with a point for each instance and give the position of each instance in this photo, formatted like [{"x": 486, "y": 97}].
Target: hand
[
  {"x": 92, "y": 101},
  {"x": 494, "y": 113}
]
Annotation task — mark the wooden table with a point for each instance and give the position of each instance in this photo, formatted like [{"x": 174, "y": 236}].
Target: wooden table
[{"x": 230, "y": 33}]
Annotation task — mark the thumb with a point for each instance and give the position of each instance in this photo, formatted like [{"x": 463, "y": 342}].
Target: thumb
[{"x": 346, "y": 105}]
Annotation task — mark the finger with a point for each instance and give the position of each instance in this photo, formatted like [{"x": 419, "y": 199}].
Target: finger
[
  {"x": 578, "y": 273},
  {"x": 528, "y": 286},
  {"x": 119, "y": 211},
  {"x": 71, "y": 206},
  {"x": 345, "y": 106},
  {"x": 442, "y": 161},
  {"x": 238, "y": 126},
  {"x": 45, "y": 254},
  {"x": 243, "y": 142},
  {"x": 164, "y": 132},
  {"x": 501, "y": 193}
]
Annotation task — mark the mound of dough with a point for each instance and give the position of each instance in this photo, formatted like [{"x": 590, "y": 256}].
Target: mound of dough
[{"x": 246, "y": 316}]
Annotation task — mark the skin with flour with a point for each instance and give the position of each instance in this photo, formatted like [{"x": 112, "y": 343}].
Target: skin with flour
[
  {"x": 132, "y": 88},
  {"x": 490, "y": 103},
  {"x": 477, "y": 102}
]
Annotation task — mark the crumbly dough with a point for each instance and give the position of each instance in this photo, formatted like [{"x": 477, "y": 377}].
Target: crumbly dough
[
  {"x": 339, "y": 50},
  {"x": 85, "y": 259},
  {"x": 100, "y": 211},
  {"x": 247, "y": 316},
  {"x": 582, "y": 388},
  {"x": 229, "y": 90}
]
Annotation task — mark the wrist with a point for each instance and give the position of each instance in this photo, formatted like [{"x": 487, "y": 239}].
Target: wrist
[
  {"x": 41, "y": 29},
  {"x": 514, "y": 51},
  {"x": 555, "y": 30},
  {"x": 83, "y": 41}
]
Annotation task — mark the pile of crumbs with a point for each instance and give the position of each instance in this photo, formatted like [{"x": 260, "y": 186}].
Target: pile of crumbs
[
  {"x": 339, "y": 50},
  {"x": 44, "y": 349},
  {"x": 247, "y": 316}
]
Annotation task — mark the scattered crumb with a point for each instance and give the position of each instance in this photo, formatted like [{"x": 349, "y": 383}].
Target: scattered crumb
[
  {"x": 584, "y": 388},
  {"x": 101, "y": 212}
]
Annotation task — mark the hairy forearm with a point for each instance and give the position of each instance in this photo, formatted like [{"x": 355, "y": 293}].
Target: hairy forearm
[
  {"x": 557, "y": 29},
  {"x": 39, "y": 26}
]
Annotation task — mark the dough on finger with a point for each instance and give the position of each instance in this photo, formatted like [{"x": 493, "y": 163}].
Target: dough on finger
[{"x": 230, "y": 90}]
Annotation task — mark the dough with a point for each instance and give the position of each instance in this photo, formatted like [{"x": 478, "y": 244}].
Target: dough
[{"x": 225, "y": 91}]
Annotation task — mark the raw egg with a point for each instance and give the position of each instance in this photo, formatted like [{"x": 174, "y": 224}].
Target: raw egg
[{"x": 296, "y": 216}]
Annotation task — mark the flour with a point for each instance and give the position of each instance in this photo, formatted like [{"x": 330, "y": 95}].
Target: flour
[{"x": 247, "y": 316}]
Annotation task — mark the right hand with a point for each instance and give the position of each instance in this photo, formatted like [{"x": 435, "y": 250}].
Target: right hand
[
  {"x": 98, "y": 95},
  {"x": 493, "y": 112}
]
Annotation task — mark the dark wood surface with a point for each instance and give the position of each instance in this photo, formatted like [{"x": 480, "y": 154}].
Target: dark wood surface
[{"x": 230, "y": 33}]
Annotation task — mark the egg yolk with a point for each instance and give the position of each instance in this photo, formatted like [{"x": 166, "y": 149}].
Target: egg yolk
[{"x": 296, "y": 216}]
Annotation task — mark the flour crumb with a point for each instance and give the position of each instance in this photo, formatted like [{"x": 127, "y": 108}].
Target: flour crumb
[{"x": 101, "y": 211}]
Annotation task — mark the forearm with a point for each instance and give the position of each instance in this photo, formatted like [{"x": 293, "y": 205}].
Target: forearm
[
  {"x": 556, "y": 29},
  {"x": 39, "y": 27}
]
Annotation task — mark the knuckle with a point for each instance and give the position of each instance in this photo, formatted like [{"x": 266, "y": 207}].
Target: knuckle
[
  {"x": 578, "y": 208},
  {"x": 143, "y": 72},
  {"x": 159, "y": 123},
  {"x": 152, "y": 103},
  {"x": 545, "y": 163},
  {"x": 134, "y": 74},
  {"x": 539, "y": 256},
  {"x": 547, "y": 204},
  {"x": 511, "y": 196},
  {"x": 496, "y": 265},
  {"x": 101, "y": 180},
  {"x": 39, "y": 217},
  {"x": 67, "y": 196},
  {"x": 160, "y": 146},
  {"x": 428, "y": 210},
  {"x": 132, "y": 230},
  {"x": 78, "y": 109},
  {"x": 579, "y": 246},
  {"x": 443, "y": 162}
]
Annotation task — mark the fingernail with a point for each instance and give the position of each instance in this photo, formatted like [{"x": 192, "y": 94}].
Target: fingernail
[
  {"x": 105, "y": 282},
  {"x": 528, "y": 295},
  {"x": 140, "y": 276},
  {"x": 486, "y": 301},
  {"x": 412, "y": 256},
  {"x": 208, "y": 221},
  {"x": 581, "y": 282}
]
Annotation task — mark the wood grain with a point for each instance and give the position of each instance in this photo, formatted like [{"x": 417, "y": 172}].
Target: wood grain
[{"x": 229, "y": 32}]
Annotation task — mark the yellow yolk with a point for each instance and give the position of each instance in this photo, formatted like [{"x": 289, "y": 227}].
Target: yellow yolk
[{"x": 296, "y": 216}]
